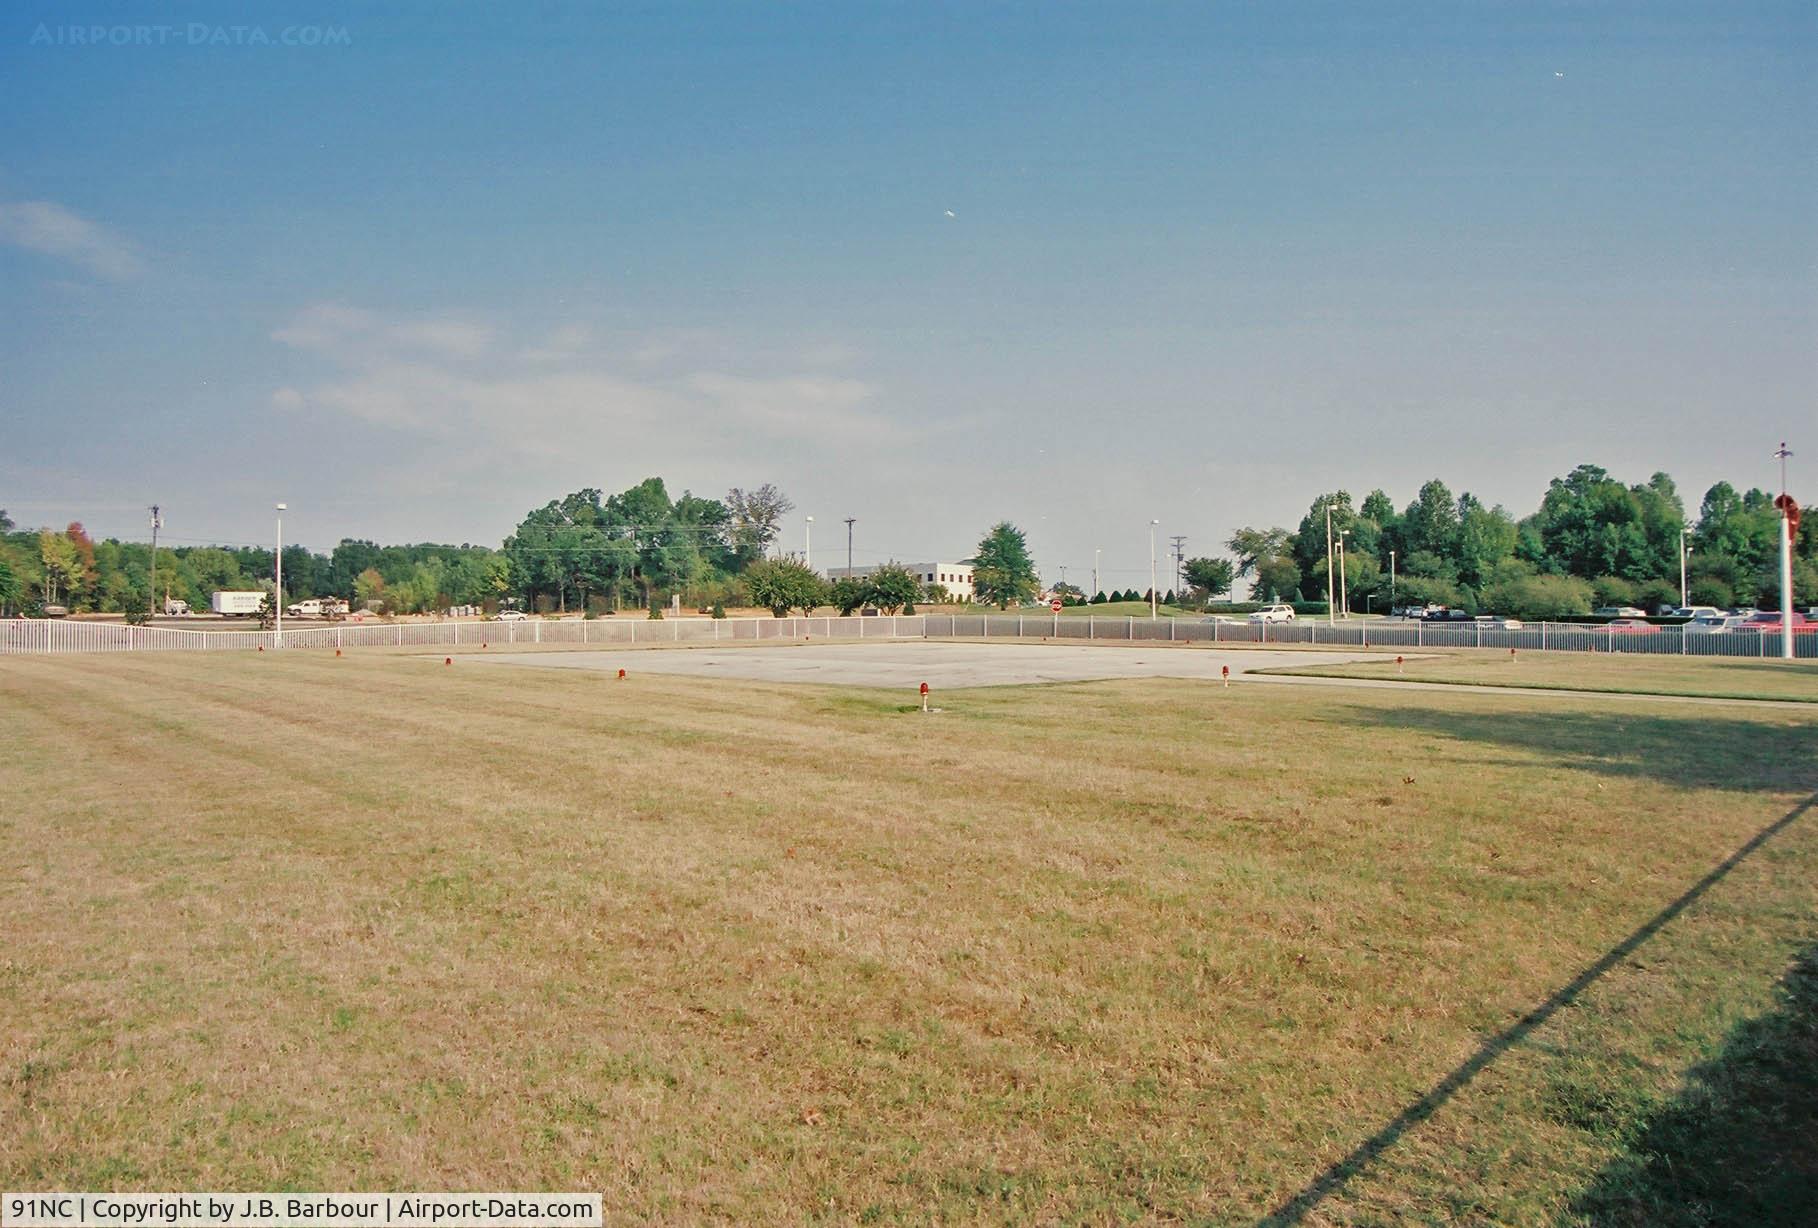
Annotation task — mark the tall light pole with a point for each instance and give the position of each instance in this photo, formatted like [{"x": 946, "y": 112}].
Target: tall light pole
[
  {"x": 1096, "y": 590},
  {"x": 1330, "y": 616},
  {"x": 1344, "y": 580},
  {"x": 849, "y": 521},
  {"x": 1152, "y": 609},
  {"x": 1683, "y": 553},
  {"x": 808, "y": 544},
  {"x": 277, "y": 593},
  {"x": 1391, "y": 581},
  {"x": 157, "y": 522},
  {"x": 1786, "y": 559}
]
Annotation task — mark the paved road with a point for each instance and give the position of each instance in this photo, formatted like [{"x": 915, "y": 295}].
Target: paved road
[{"x": 908, "y": 663}]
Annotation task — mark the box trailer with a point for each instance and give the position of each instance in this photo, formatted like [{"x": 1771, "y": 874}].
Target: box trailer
[{"x": 227, "y": 602}]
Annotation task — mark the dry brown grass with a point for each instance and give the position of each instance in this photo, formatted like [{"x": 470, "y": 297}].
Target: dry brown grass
[
  {"x": 1136, "y": 950},
  {"x": 1616, "y": 673}
]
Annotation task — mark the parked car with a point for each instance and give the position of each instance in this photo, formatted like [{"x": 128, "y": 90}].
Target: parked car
[
  {"x": 1277, "y": 613},
  {"x": 1417, "y": 610},
  {"x": 1495, "y": 623},
  {"x": 1768, "y": 622},
  {"x": 1633, "y": 626},
  {"x": 1697, "y": 611},
  {"x": 1619, "y": 611},
  {"x": 1440, "y": 614},
  {"x": 512, "y": 616}
]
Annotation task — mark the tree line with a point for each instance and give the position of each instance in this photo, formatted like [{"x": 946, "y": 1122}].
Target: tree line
[
  {"x": 587, "y": 551},
  {"x": 1593, "y": 541}
]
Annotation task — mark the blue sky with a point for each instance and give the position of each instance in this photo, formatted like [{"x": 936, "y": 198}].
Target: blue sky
[{"x": 1078, "y": 266}]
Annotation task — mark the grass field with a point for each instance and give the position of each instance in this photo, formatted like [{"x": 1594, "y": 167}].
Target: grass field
[
  {"x": 1703, "y": 677},
  {"x": 1128, "y": 951}
]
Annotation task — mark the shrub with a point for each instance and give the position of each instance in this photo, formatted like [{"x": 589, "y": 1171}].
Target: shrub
[
  {"x": 1613, "y": 590},
  {"x": 1540, "y": 597},
  {"x": 1708, "y": 590}
]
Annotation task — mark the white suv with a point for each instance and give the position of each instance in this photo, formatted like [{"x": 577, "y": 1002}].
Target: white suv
[{"x": 1277, "y": 613}]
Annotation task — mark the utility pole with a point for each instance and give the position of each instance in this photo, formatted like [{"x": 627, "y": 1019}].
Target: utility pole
[
  {"x": 1180, "y": 563},
  {"x": 849, "y": 521},
  {"x": 1096, "y": 590},
  {"x": 808, "y": 544},
  {"x": 157, "y": 522}
]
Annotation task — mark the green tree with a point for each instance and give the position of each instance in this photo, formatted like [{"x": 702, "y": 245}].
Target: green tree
[
  {"x": 1431, "y": 522},
  {"x": 1002, "y": 571},
  {"x": 846, "y": 594},
  {"x": 780, "y": 585},
  {"x": 12, "y": 589},
  {"x": 1253, "y": 546},
  {"x": 755, "y": 518},
  {"x": 62, "y": 565},
  {"x": 891, "y": 587},
  {"x": 1486, "y": 536},
  {"x": 1209, "y": 577},
  {"x": 1309, "y": 542},
  {"x": 1277, "y": 579}
]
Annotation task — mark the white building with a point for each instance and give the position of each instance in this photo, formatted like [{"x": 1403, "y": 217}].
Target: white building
[{"x": 955, "y": 577}]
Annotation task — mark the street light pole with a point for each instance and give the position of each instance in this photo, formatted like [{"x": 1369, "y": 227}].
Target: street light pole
[
  {"x": 1096, "y": 590},
  {"x": 277, "y": 594},
  {"x": 1391, "y": 581},
  {"x": 1152, "y": 525},
  {"x": 808, "y": 544},
  {"x": 1329, "y": 615},
  {"x": 1683, "y": 601},
  {"x": 1344, "y": 579},
  {"x": 849, "y": 521}
]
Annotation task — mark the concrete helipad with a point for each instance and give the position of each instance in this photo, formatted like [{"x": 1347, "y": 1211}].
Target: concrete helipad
[{"x": 908, "y": 663}]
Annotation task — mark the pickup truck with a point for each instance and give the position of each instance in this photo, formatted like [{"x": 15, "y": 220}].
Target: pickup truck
[{"x": 1277, "y": 613}]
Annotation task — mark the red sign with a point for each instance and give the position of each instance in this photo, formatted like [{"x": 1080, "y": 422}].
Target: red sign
[{"x": 1055, "y": 605}]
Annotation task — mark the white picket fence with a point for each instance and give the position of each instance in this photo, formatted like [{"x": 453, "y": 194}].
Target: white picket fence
[
  {"x": 44, "y": 635},
  {"x": 60, "y": 636}
]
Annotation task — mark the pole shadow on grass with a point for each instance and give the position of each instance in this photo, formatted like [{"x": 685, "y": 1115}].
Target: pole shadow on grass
[
  {"x": 1739, "y": 1146},
  {"x": 1570, "y": 737}
]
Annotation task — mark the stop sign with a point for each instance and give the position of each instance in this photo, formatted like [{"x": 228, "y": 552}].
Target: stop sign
[{"x": 1055, "y": 605}]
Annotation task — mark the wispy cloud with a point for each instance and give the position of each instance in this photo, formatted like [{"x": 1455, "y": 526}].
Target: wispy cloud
[
  {"x": 49, "y": 229},
  {"x": 461, "y": 390}
]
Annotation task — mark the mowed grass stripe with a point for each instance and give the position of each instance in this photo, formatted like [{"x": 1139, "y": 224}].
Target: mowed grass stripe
[{"x": 1082, "y": 951}]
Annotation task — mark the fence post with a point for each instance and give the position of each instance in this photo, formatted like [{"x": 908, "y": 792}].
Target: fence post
[
  {"x": 1366, "y": 633},
  {"x": 1089, "y": 632},
  {"x": 1170, "y": 630},
  {"x": 1420, "y": 634},
  {"x": 399, "y": 628},
  {"x": 1543, "y": 635},
  {"x": 1130, "y": 627},
  {"x": 1019, "y": 626}
]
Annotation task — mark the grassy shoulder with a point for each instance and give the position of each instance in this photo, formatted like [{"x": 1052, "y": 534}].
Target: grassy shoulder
[
  {"x": 1692, "y": 677},
  {"x": 728, "y": 951}
]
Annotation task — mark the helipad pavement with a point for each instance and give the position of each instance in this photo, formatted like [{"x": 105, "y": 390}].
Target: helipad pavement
[{"x": 908, "y": 663}]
